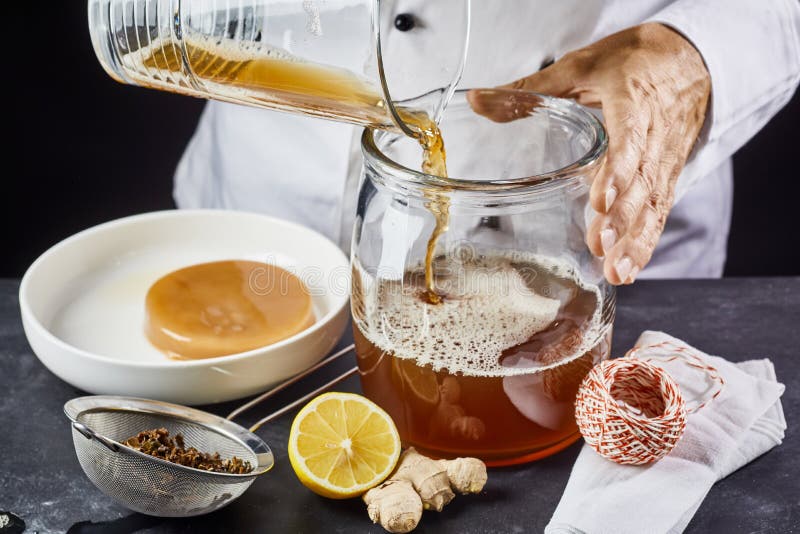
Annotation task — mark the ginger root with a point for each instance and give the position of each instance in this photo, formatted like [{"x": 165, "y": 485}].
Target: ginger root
[{"x": 418, "y": 483}]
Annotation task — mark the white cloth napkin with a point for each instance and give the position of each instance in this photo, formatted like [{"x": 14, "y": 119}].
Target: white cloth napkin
[{"x": 742, "y": 423}]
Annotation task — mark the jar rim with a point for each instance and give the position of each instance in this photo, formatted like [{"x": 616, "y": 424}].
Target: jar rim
[{"x": 373, "y": 155}]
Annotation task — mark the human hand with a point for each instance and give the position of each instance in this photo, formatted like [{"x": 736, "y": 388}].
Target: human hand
[{"x": 653, "y": 88}]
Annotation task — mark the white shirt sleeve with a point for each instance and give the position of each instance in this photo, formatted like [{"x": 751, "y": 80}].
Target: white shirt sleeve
[{"x": 752, "y": 52}]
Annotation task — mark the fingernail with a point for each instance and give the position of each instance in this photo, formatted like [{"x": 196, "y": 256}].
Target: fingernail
[
  {"x": 611, "y": 196},
  {"x": 607, "y": 238},
  {"x": 633, "y": 275},
  {"x": 623, "y": 268}
]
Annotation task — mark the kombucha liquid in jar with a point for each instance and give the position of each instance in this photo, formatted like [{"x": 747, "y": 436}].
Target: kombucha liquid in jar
[{"x": 490, "y": 371}]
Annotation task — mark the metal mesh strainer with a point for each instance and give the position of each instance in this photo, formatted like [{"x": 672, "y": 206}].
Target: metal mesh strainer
[{"x": 157, "y": 487}]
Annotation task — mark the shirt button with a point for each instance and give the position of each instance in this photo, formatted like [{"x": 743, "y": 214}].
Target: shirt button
[{"x": 404, "y": 22}]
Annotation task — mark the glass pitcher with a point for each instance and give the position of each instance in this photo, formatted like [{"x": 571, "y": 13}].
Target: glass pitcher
[
  {"x": 323, "y": 58},
  {"x": 492, "y": 370}
]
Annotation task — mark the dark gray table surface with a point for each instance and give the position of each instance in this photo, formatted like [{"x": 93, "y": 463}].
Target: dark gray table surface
[{"x": 41, "y": 481}]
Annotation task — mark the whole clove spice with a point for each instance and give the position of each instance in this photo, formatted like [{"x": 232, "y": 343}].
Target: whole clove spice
[{"x": 158, "y": 443}]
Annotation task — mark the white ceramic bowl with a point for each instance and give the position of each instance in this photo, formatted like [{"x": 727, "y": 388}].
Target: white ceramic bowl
[{"x": 82, "y": 303}]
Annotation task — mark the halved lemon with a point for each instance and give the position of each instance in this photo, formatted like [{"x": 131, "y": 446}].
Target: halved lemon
[{"x": 342, "y": 444}]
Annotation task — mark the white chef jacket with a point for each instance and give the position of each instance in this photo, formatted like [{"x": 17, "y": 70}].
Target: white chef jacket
[{"x": 295, "y": 167}]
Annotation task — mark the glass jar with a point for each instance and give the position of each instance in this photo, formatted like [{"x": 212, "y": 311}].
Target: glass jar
[
  {"x": 332, "y": 59},
  {"x": 492, "y": 370}
]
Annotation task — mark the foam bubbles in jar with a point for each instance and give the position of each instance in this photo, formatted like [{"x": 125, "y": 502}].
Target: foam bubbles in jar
[{"x": 490, "y": 305}]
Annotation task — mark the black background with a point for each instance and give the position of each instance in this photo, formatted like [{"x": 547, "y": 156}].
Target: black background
[{"x": 85, "y": 150}]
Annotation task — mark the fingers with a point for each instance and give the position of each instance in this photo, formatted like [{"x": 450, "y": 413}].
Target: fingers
[
  {"x": 559, "y": 79},
  {"x": 607, "y": 230},
  {"x": 628, "y": 178},
  {"x": 624, "y": 260},
  {"x": 627, "y": 128},
  {"x": 627, "y": 234},
  {"x": 502, "y": 106}
]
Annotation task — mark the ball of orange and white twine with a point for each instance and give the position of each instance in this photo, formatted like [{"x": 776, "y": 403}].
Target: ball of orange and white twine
[{"x": 631, "y": 411}]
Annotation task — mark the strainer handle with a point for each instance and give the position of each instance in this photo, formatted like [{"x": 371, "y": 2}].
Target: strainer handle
[
  {"x": 88, "y": 433},
  {"x": 283, "y": 385},
  {"x": 303, "y": 399}
]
